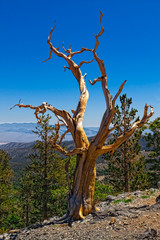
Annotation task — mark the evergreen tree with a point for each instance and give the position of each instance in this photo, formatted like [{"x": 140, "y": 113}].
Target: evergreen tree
[
  {"x": 153, "y": 142},
  {"x": 5, "y": 186},
  {"x": 43, "y": 176},
  {"x": 9, "y": 208},
  {"x": 126, "y": 167}
]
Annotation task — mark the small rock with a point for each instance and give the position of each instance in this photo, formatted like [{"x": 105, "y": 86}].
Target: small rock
[
  {"x": 138, "y": 193},
  {"x": 8, "y": 238},
  {"x": 25, "y": 230},
  {"x": 45, "y": 222},
  {"x": 112, "y": 221},
  {"x": 1, "y": 237},
  {"x": 34, "y": 226},
  {"x": 5, "y": 235},
  {"x": 121, "y": 196},
  {"x": 152, "y": 190},
  {"x": 110, "y": 198},
  {"x": 53, "y": 219},
  {"x": 158, "y": 199}
]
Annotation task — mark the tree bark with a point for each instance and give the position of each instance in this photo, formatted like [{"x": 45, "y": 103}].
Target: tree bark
[{"x": 81, "y": 201}]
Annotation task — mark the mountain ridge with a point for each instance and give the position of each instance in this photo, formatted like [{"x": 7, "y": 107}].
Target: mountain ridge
[{"x": 23, "y": 132}]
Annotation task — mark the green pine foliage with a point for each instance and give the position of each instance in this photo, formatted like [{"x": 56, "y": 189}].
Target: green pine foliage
[
  {"x": 44, "y": 178},
  {"x": 10, "y": 209},
  {"x": 126, "y": 167},
  {"x": 101, "y": 191},
  {"x": 153, "y": 143},
  {"x": 5, "y": 188}
]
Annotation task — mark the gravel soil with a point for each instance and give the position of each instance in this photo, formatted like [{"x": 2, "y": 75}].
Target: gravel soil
[{"x": 129, "y": 216}]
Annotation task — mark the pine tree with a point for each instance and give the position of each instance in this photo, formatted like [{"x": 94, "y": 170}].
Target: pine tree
[
  {"x": 5, "y": 187},
  {"x": 153, "y": 142},
  {"x": 126, "y": 167},
  {"x": 10, "y": 205},
  {"x": 45, "y": 174}
]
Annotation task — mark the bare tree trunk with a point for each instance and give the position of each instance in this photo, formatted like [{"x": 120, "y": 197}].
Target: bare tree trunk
[{"x": 81, "y": 201}]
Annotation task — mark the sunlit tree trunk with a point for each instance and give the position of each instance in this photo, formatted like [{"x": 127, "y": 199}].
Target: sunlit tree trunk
[{"x": 81, "y": 201}]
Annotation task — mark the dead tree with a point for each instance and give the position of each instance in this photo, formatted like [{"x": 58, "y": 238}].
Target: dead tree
[{"x": 81, "y": 201}]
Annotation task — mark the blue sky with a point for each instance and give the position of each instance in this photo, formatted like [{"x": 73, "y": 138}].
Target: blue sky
[{"x": 130, "y": 48}]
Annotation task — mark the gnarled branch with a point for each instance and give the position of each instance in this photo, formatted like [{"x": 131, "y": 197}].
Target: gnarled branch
[
  {"x": 110, "y": 103},
  {"x": 122, "y": 138},
  {"x": 38, "y": 109},
  {"x": 94, "y": 81},
  {"x": 81, "y": 63},
  {"x": 62, "y": 137},
  {"x": 62, "y": 115},
  {"x": 67, "y": 50},
  {"x": 75, "y": 69},
  {"x": 67, "y": 153},
  {"x": 112, "y": 129},
  {"x": 66, "y": 68},
  {"x": 50, "y": 53},
  {"x": 78, "y": 52},
  {"x": 100, "y": 33},
  {"x": 99, "y": 61},
  {"x": 119, "y": 92}
]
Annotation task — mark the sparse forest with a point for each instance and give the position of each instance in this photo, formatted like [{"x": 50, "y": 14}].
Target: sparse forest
[{"x": 51, "y": 175}]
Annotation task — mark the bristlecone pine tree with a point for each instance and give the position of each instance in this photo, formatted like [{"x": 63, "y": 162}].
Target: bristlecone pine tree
[
  {"x": 126, "y": 168},
  {"x": 81, "y": 200},
  {"x": 153, "y": 142}
]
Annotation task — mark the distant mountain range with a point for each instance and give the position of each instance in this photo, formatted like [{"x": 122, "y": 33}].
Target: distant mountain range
[
  {"x": 19, "y": 153},
  {"x": 22, "y": 132},
  {"x": 17, "y": 132},
  {"x": 18, "y": 140}
]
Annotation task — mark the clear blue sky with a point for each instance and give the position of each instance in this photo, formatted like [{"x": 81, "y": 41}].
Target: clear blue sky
[{"x": 130, "y": 47}]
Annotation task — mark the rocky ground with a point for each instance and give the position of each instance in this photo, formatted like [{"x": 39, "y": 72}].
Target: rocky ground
[{"x": 126, "y": 216}]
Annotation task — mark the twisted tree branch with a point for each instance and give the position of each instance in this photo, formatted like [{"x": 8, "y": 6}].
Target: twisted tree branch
[
  {"x": 100, "y": 33},
  {"x": 61, "y": 115},
  {"x": 110, "y": 103},
  {"x": 122, "y": 138},
  {"x": 78, "y": 52},
  {"x": 62, "y": 137},
  {"x": 119, "y": 92},
  {"x": 81, "y": 63},
  {"x": 67, "y": 153},
  {"x": 67, "y": 50},
  {"x": 94, "y": 81}
]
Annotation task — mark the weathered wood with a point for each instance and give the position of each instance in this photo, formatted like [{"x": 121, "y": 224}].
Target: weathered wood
[{"x": 81, "y": 200}]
